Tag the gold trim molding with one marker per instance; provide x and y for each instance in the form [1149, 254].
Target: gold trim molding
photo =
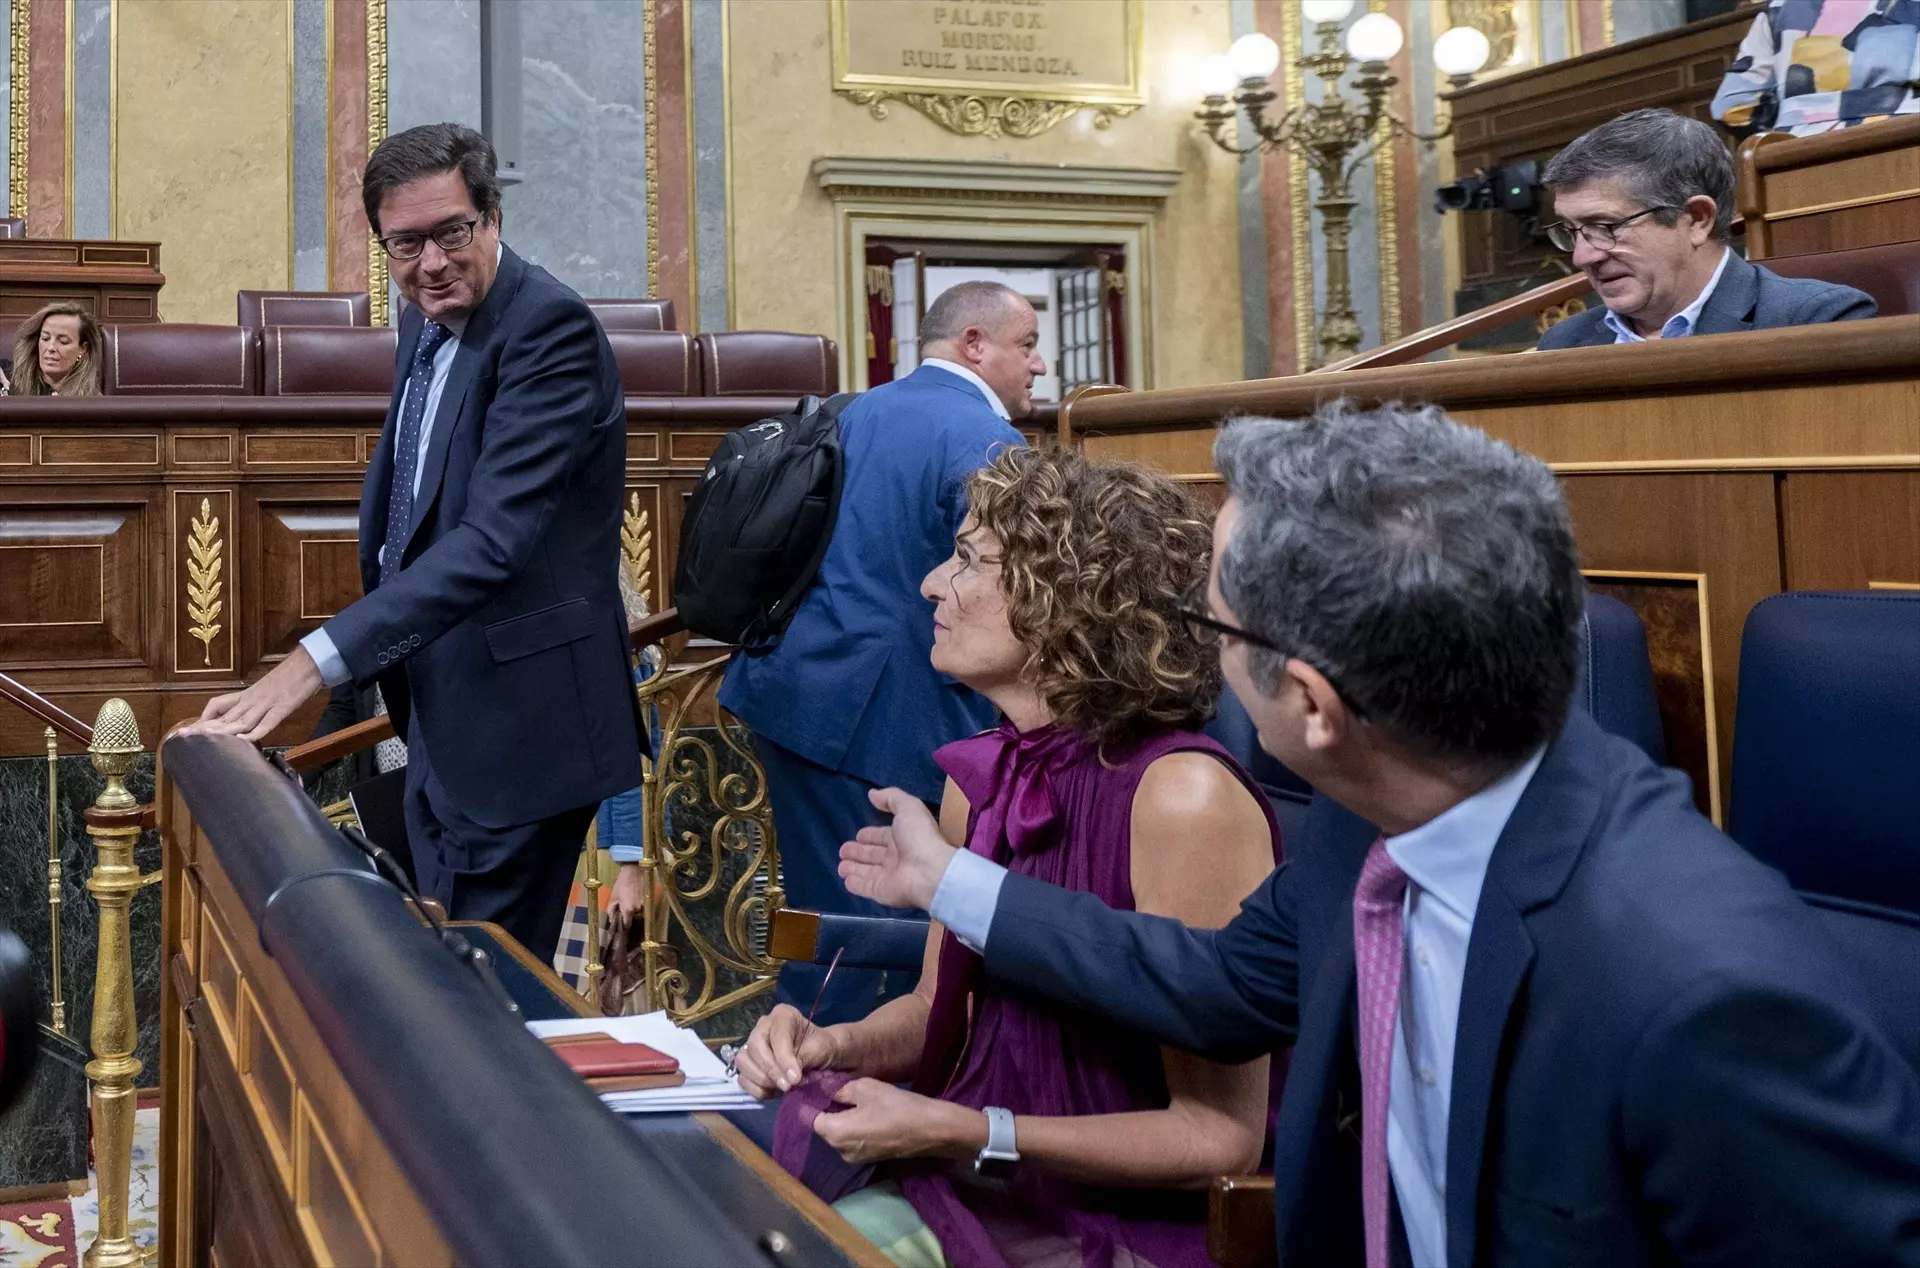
[949, 180]
[19, 106]
[1386, 219]
[977, 114]
[650, 106]
[1306, 347]
[376, 133]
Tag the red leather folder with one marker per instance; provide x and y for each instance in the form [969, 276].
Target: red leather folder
[611, 1066]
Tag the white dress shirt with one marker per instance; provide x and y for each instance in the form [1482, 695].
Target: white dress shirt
[319, 644]
[1681, 324]
[1445, 860]
[954, 367]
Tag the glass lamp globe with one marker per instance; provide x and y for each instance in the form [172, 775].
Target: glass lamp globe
[1215, 76]
[1461, 51]
[1325, 10]
[1374, 38]
[1254, 56]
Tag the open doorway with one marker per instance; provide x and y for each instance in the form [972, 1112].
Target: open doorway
[1078, 292]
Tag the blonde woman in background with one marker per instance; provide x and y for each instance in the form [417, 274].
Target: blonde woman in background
[56, 353]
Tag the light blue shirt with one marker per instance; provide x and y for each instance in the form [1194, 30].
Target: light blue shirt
[954, 367]
[1681, 324]
[319, 644]
[1445, 860]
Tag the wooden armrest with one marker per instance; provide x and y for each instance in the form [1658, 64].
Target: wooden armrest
[652, 629]
[350, 739]
[793, 934]
[1240, 1222]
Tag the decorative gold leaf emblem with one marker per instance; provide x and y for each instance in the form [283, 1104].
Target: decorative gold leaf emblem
[636, 548]
[203, 578]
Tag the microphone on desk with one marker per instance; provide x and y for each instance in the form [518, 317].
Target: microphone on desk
[473, 957]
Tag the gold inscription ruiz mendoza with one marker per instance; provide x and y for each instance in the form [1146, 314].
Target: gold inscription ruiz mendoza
[1009, 67]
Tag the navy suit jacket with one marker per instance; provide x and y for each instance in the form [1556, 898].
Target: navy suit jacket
[1750, 297]
[849, 686]
[503, 634]
[1661, 1058]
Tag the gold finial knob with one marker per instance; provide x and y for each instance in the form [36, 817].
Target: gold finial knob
[116, 745]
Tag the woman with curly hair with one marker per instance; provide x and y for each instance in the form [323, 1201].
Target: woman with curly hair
[1061, 604]
[56, 353]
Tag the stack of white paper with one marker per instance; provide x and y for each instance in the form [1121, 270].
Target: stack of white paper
[708, 1086]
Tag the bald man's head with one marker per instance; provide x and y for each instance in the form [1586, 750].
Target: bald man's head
[992, 330]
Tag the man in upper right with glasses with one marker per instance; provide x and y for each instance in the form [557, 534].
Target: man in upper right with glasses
[1644, 204]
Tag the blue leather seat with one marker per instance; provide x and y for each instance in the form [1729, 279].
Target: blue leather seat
[1826, 776]
[1826, 747]
[1616, 676]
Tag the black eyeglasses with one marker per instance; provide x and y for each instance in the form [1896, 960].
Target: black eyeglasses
[1601, 236]
[1195, 610]
[448, 237]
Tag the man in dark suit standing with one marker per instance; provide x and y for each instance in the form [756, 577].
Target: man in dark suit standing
[849, 700]
[1644, 203]
[1541, 1011]
[489, 543]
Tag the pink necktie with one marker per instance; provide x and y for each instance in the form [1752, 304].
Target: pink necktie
[1379, 948]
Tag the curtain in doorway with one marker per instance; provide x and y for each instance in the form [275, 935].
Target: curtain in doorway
[1112, 262]
[881, 351]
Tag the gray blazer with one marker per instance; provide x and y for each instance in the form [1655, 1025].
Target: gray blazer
[1749, 297]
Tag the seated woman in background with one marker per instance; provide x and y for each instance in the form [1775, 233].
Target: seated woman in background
[55, 353]
[1061, 605]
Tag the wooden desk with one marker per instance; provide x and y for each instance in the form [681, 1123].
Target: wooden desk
[339, 1090]
[1858, 187]
[116, 281]
[1704, 475]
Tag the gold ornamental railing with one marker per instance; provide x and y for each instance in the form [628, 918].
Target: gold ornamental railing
[708, 851]
[114, 823]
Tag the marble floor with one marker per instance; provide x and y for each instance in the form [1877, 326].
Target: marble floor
[54, 1233]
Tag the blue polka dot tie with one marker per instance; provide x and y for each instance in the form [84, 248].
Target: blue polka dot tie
[406, 448]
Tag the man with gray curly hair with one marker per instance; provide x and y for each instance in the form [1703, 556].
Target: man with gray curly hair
[1645, 203]
[1541, 1011]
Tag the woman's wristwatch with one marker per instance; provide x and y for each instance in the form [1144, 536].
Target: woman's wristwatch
[998, 1159]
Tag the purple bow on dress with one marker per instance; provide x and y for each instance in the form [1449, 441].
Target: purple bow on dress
[1005, 776]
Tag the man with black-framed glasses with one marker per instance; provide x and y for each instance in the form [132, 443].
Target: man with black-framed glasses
[1644, 203]
[489, 531]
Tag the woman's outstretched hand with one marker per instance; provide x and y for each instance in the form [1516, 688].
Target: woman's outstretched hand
[783, 1046]
[899, 865]
[882, 1121]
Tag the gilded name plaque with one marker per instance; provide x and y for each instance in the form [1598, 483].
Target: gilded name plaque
[997, 68]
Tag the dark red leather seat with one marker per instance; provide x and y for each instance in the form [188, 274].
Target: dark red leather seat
[328, 360]
[768, 362]
[180, 359]
[646, 313]
[656, 362]
[1891, 273]
[260, 309]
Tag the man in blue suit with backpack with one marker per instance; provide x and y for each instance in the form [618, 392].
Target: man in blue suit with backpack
[848, 700]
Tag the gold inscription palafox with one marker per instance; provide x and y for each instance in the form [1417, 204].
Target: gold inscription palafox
[204, 585]
[113, 822]
[1005, 68]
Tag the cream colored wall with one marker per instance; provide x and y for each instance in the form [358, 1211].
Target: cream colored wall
[783, 115]
[201, 154]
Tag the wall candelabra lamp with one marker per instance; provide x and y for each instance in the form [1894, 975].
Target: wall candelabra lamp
[1335, 134]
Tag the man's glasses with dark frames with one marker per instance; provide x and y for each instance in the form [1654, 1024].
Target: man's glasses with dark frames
[448, 237]
[1195, 610]
[1602, 235]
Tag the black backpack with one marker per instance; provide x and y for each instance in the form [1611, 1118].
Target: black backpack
[758, 524]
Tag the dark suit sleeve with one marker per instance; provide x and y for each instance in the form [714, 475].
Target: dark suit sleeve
[1771, 1128]
[1228, 994]
[1576, 331]
[540, 421]
[1836, 303]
